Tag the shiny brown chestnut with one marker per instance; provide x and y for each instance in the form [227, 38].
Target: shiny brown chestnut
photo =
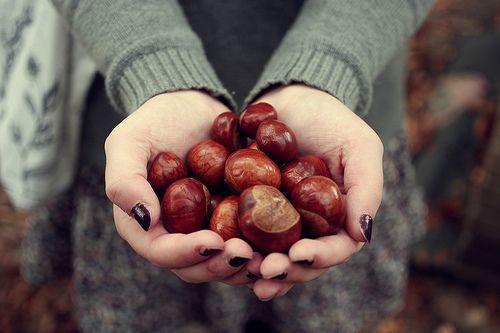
[301, 168]
[268, 220]
[206, 162]
[248, 167]
[225, 130]
[253, 115]
[320, 204]
[165, 169]
[224, 220]
[185, 206]
[277, 141]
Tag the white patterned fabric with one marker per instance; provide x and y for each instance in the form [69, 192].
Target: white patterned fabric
[44, 78]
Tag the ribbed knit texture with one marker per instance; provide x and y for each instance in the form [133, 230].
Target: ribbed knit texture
[341, 46]
[143, 48]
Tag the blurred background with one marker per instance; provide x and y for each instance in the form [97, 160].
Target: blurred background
[453, 119]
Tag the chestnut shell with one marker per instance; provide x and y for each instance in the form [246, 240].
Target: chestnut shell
[255, 114]
[296, 170]
[277, 141]
[185, 206]
[320, 204]
[248, 167]
[268, 220]
[206, 161]
[224, 220]
[225, 130]
[165, 169]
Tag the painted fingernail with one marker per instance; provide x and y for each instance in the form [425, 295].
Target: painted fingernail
[209, 252]
[238, 261]
[281, 276]
[366, 222]
[305, 262]
[142, 216]
[253, 276]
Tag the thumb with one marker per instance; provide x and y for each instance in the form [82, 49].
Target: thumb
[126, 178]
[363, 181]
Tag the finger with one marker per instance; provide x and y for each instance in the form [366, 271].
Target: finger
[363, 182]
[278, 266]
[232, 259]
[325, 251]
[127, 187]
[167, 250]
[249, 274]
[266, 290]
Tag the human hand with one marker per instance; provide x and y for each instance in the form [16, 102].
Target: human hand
[353, 152]
[171, 122]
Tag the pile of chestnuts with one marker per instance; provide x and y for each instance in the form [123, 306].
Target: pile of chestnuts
[263, 193]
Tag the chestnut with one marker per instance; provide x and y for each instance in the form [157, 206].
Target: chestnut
[185, 206]
[320, 204]
[225, 130]
[248, 167]
[224, 220]
[253, 145]
[215, 199]
[277, 141]
[206, 162]
[267, 219]
[253, 115]
[296, 170]
[165, 169]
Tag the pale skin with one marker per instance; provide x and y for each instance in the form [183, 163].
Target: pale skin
[176, 121]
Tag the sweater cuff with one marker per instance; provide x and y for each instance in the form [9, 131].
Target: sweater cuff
[139, 77]
[321, 69]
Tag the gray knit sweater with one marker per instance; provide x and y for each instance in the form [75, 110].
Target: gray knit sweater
[144, 48]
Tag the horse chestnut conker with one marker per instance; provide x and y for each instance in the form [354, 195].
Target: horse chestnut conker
[225, 130]
[301, 168]
[320, 204]
[248, 167]
[165, 169]
[253, 115]
[277, 141]
[186, 206]
[267, 219]
[206, 162]
[224, 220]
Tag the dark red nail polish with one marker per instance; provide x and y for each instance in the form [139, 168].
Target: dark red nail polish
[253, 277]
[366, 223]
[209, 252]
[238, 261]
[142, 216]
[305, 262]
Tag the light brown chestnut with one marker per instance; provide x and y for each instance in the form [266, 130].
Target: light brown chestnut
[267, 219]
[277, 141]
[185, 206]
[248, 167]
[225, 130]
[165, 169]
[301, 168]
[320, 204]
[253, 115]
[224, 220]
[206, 162]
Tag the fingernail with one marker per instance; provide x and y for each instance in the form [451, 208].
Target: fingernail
[142, 216]
[305, 262]
[253, 277]
[238, 261]
[281, 276]
[267, 299]
[209, 252]
[366, 223]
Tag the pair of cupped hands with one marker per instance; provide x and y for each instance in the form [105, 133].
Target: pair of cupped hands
[177, 121]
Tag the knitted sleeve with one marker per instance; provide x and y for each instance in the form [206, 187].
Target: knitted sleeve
[340, 46]
[143, 48]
